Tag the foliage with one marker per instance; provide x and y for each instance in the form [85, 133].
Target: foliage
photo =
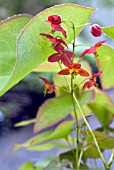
[30, 46]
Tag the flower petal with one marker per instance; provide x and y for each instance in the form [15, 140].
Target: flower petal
[62, 41]
[83, 72]
[59, 48]
[96, 75]
[64, 72]
[46, 35]
[88, 84]
[59, 28]
[84, 52]
[54, 57]
[100, 43]
[66, 61]
[45, 80]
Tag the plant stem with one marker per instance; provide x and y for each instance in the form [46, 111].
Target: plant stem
[111, 159]
[73, 27]
[64, 76]
[93, 136]
[77, 127]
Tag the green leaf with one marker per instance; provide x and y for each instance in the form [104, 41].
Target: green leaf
[102, 107]
[27, 166]
[105, 62]
[61, 131]
[25, 123]
[87, 97]
[33, 49]
[91, 152]
[109, 31]
[52, 111]
[42, 147]
[9, 31]
[56, 165]
[105, 141]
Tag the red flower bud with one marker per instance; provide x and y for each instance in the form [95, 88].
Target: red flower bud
[54, 19]
[95, 30]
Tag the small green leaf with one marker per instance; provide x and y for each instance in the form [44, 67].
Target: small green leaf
[9, 31]
[42, 147]
[105, 62]
[109, 31]
[25, 123]
[33, 49]
[101, 107]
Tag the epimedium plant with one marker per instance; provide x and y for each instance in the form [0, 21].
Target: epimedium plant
[47, 37]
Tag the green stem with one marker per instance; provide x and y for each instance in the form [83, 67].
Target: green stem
[92, 134]
[73, 27]
[61, 88]
[71, 147]
[111, 159]
[77, 127]
[65, 76]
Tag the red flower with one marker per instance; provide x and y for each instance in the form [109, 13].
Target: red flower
[93, 49]
[48, 88]
[95, 30]
[63, 55]
[55, 21]
[92, 81]
[74, 69]
[54, 40]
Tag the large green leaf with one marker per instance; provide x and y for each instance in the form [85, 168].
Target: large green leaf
[105, 61]
[109, 31]
[33, 49]
[55, 109]
[9, 31]
[61, 131]
[102, 107]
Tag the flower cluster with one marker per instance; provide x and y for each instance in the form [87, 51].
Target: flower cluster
[65, 57]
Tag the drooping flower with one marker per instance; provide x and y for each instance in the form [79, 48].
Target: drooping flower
[92, 81]
[74, 69]
[54, 40]
[48, 88]
[55, 21]
[62, 55]
[93, 49]
[95, 30]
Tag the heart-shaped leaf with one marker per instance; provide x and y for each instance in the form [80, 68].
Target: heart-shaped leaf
[9, 31]
[61, 131]
[52, 111]
[33, 49]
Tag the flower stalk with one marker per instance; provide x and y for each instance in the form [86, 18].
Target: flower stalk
[77, 126]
